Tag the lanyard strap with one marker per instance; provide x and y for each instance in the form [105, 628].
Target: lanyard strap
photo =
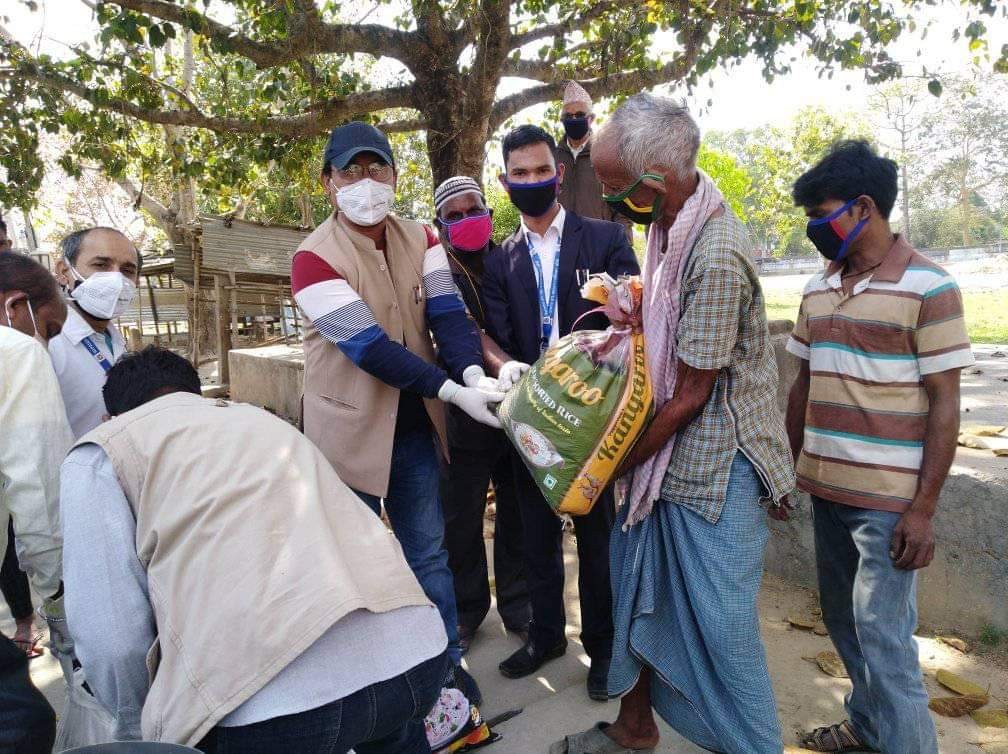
[547, 308]
[98, 355]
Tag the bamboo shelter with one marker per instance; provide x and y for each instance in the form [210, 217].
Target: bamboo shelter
[237, 277]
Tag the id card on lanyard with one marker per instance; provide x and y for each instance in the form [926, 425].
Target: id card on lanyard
[547, 307]
[96, 353]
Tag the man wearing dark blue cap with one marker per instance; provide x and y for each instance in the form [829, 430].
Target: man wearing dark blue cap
[373, 288]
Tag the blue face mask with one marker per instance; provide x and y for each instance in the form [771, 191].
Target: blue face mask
[829, 238]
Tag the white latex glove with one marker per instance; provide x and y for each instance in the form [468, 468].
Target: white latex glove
[475, 402]
[509, 375]
[474, 376]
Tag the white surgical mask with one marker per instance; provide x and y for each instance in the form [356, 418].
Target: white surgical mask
[366, 202]
[105, 295]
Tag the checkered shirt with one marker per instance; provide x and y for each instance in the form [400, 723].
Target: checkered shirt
[723, 326]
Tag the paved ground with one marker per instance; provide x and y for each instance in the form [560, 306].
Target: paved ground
[555, 701]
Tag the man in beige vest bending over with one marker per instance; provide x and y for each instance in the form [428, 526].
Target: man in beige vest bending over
[227, 590]
[373, 288]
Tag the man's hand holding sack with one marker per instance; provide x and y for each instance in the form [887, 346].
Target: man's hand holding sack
[576, 413]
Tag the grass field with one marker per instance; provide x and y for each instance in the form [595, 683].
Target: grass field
[986, 312]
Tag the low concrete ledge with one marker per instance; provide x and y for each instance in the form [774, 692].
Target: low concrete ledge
[966, 586]
[271, 377]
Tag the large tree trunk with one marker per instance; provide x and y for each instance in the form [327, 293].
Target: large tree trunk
[456, 136]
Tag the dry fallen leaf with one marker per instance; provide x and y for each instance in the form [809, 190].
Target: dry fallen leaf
[987, 430]
[806, 624]
[958, 684]
[995, 747]
[820, 629]
[991, 718]
[831, 664]
[957, 706]
[955, 642]
[1001, 452]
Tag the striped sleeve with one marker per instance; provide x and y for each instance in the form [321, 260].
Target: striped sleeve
[798, 343]
[343, 318]
[454, 330]
[940, 338]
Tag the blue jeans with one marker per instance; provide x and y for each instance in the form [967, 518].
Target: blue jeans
[414, 509]
[870, 609]
[384, 718]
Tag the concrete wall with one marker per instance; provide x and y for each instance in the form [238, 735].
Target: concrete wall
[966, 586]
[271, 377]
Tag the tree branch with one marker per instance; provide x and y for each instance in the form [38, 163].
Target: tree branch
[313, 35]
[606, 86]
[121, 66]
[574, 22]
[161, 214]
[319, 118]
[403, 126]
[492, 46]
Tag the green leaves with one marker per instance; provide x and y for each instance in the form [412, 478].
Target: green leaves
[935, 87]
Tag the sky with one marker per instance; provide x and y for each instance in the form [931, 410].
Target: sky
[741, 97]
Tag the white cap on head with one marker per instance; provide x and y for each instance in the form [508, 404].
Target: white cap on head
[574, 92]
[459, 184]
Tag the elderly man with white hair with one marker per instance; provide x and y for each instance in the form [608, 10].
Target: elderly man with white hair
[687, 552]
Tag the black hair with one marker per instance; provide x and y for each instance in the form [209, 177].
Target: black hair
[71, 244]
[3, 226]
[22, 273]
[524, 136]
[850, 169]
[145, 375]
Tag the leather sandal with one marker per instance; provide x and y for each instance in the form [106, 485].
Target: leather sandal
[836, 739]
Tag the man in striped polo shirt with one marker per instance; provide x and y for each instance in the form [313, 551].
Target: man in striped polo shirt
[873, 418]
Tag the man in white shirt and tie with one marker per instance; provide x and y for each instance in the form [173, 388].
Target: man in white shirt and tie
[99, 267]
[532, 297]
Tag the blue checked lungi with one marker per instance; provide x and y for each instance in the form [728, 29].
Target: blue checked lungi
[684, 604]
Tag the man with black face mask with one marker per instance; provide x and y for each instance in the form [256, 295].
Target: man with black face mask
[581, 191]
[531, 292]
[873, 418]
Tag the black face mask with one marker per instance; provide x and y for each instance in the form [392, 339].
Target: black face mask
[576, 128]
[827, 239]
[533, 199]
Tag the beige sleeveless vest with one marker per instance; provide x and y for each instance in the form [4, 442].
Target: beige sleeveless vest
[253, 548]
[347, 413]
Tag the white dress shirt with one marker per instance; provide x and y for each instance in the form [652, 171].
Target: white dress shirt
[34, 437]
[548, 246]
[80, 376]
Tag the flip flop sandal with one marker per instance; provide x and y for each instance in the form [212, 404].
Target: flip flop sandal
[30, 646]
[835, 739]
[592, 741]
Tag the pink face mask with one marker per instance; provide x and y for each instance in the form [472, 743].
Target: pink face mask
[470, 233]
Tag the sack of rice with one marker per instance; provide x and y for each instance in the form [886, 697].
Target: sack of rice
[578, 411]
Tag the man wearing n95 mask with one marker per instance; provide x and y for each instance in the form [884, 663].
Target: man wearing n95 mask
[373, 289]
[99, 268]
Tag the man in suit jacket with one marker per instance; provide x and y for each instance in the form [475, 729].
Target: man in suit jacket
[532, 297]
